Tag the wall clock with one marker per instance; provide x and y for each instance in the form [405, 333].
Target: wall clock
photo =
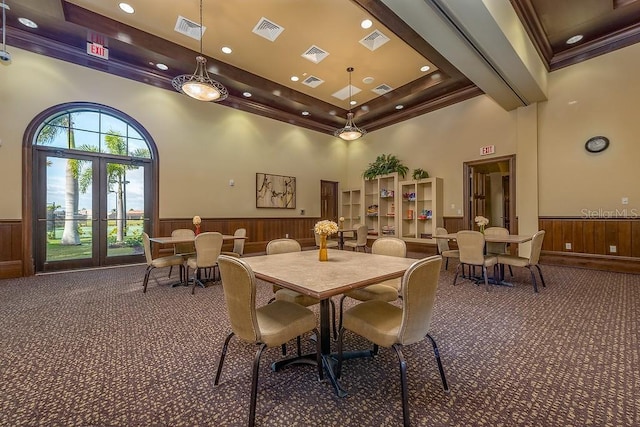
[596, 144]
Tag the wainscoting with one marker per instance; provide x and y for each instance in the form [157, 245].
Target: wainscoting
[591, 240]
[10, 248]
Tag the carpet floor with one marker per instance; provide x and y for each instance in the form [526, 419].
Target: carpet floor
[88, 348]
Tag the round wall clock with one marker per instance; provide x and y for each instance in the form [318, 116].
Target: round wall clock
[597, 144]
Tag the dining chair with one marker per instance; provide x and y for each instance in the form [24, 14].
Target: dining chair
[271, 325]
[208, 248]
[531, 261]
[280, 246]
[384, 291]
[238, 244]
[185, 250]
[497, 248]
[388, 325]
[471, 247]
[361, 239]
[443, 247]
[330, 243]
[165, 261]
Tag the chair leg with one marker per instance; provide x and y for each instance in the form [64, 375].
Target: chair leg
[284, 349]
[319, 355]
[510, 271]
[376, 348]
[146, 278]
[541, 276]
[341, 310]
[457, 272]
[254, 385]
[340, 339]
[486, 279]
[299, 346]
[533, 279]
[446, 263]
[170, 270]
[403, 384]
[222, 356]
[436, 352]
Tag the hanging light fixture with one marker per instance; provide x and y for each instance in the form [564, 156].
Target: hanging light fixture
[350, 131]
[199, 85]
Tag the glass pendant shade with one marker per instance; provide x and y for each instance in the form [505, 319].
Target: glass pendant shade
[350, 131]
[199, 85]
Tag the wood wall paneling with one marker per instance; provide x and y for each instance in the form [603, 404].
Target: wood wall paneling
[10, 248]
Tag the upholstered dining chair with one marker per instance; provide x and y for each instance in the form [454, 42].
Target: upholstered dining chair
[272, 325]
[185, 250]
[496, 248]
[471, 247]
[384, 291]
[280, 246]
[531, 261]
[443, 247]
[165, 261]
[330, 243]
[387, 325]
[238, 244]
[361, 239]
[208, 248]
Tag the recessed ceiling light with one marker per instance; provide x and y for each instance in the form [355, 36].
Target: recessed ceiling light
[161, 66]
[126, 8]
[399, 107]
[27, 23]
[294, 78]
[368, 80]
[574, 39]
[246, 94]
[352, 102]
[425, 68]
[305, 113]
[366, 24]
[226, 49]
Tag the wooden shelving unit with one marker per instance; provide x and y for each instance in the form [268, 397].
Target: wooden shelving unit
[421, 209]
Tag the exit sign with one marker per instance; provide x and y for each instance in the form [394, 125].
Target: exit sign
[96, 49]
[489, 149]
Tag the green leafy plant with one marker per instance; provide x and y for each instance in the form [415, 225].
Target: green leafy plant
[420, 174]
[383, 165]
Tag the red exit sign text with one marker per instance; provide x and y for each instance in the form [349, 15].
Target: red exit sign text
[489, 149]
[98, 50]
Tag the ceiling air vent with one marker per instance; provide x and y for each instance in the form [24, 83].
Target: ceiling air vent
[343, 93]
[189, 28]
[267, 29]
[374, 40]
[382, 89]
[313, 81]
[315, 54]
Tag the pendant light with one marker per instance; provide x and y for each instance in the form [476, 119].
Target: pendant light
[199, 85]
[350, 131]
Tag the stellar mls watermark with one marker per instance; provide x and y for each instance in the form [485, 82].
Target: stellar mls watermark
[610, 213]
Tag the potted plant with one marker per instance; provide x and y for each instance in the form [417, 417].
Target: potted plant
[383, 165]
[420, 174]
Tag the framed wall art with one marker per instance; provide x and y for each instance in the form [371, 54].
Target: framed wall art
[275, 191]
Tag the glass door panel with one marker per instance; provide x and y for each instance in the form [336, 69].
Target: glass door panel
[125, 209]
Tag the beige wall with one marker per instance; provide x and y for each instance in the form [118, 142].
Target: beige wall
[597, 97]
[201, 145]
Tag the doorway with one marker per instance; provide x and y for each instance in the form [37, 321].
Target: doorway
[329, 200]
[490, 192]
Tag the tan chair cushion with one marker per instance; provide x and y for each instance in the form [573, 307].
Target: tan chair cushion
[282, 321]
[292, 296]
[513, 260]
[166, 261]
[377, 292]
[377, 321]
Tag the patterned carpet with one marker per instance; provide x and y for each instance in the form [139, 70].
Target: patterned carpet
[90, 349]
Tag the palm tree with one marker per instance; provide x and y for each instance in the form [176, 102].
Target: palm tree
[64, 123]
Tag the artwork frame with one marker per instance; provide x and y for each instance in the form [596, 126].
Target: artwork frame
[275, 191]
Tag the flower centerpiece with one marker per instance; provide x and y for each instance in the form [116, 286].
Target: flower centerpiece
[323, 229]
[482, 222]
[197, 221]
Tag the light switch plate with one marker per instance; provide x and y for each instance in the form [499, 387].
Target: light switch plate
[625, 200]
[613, 249]
[567, 246]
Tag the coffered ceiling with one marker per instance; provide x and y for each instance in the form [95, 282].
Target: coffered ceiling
[411, 60]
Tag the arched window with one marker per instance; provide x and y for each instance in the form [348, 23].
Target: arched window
[94, 183]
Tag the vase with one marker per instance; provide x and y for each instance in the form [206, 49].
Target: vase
[197, 230]
[323, 254]
[482, 229]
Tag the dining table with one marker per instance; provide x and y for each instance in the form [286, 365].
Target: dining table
[506, 238]
[344, 271]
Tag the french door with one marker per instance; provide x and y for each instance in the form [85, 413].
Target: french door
[90, 209]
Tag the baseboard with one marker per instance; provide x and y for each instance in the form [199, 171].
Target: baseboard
[10, 269]
[591, 261]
